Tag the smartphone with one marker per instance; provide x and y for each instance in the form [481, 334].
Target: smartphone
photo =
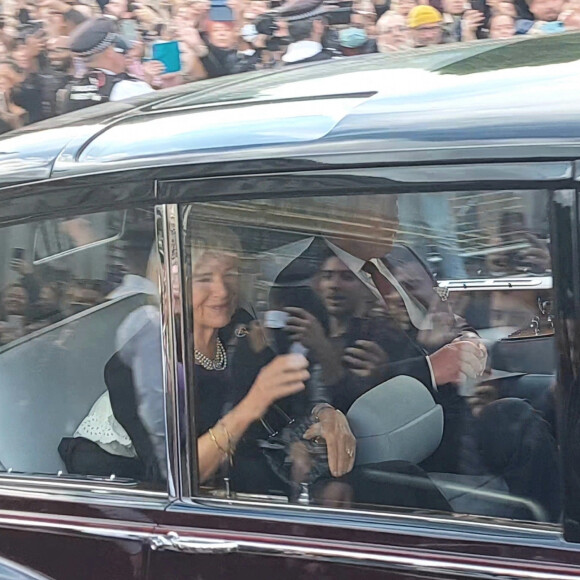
[16, 258]
[168, 54]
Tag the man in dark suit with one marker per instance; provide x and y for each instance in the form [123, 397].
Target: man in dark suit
[374, 337]
[386, 320]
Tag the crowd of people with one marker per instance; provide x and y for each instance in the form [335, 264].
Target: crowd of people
[34, 301]
[51, 47]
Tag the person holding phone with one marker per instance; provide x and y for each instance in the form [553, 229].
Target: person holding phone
[104, 50]
[215, 53]
[460, 21]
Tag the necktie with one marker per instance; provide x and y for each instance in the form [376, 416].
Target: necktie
[384, 287]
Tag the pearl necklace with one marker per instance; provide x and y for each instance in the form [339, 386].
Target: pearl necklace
[219, 363]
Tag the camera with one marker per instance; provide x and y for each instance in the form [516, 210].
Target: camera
[339, 12]
[266, 24]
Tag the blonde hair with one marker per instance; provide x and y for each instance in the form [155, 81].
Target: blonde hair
[213, 238]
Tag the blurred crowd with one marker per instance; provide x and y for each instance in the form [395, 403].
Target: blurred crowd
[231, 36]
[35, 300]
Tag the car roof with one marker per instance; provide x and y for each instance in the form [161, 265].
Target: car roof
[480, 100]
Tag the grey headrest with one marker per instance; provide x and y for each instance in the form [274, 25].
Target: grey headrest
[397, 419]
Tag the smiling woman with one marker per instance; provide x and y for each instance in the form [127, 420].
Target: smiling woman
[223, 419]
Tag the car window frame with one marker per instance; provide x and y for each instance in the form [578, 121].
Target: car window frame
[549, 175]
[33, 203]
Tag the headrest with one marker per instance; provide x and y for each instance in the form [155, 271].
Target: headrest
[396, 420]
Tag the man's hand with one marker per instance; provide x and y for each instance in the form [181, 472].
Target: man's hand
[365, 358]
[476, 340]
[457, 362]
[193, 40]
[443, 328]
[536, 258]
[340, 442]
[304, 328]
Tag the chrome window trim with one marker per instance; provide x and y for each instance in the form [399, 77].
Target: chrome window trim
[167, 227]
[52, 488]
[403, 560]
[66, 524]
[519, 531]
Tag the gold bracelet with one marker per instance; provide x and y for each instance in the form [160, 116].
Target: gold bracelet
[318, 408]
[214, 439]
[231, 446]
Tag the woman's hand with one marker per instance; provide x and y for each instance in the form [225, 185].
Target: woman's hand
[333, 427]
[284, 376]
[306, 329]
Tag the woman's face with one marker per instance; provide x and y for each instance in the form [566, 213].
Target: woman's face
[215, 290]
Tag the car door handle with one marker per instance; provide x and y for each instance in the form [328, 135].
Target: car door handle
[172, 541]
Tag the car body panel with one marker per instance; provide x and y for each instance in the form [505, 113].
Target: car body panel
[454, 80]
[73, 534]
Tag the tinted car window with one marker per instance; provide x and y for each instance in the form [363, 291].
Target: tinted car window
[76, 295]
[376, 350]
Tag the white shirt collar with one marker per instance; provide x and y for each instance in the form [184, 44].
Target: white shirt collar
[353, 263]
[302, 50]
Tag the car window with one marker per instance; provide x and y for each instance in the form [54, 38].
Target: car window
[79, 305]
[375, 350]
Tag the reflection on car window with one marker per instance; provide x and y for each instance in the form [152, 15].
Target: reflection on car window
[376, 350]
[77, 293]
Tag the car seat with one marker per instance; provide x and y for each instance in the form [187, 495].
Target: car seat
[399, 420]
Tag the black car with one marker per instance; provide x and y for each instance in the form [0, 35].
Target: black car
[404, 226]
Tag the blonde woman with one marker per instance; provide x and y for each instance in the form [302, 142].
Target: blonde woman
[215, 258]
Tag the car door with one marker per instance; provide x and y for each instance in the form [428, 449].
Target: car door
[448, 218]
[72, 271]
